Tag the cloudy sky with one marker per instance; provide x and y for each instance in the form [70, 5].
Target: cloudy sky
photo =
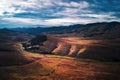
[29, 13]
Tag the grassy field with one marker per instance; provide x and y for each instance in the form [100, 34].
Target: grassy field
[53, 67]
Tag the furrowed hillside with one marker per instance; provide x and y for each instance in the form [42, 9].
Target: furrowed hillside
[105, 50]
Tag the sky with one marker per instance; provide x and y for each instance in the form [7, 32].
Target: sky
[46, 13]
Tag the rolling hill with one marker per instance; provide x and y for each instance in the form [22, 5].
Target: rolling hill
[104, 30]
[13, 36]
[104, 50]
[12, 54]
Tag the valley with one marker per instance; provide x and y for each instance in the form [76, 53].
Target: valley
[59, 39]
[76, 52]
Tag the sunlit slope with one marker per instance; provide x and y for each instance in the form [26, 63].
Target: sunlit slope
[107, 50]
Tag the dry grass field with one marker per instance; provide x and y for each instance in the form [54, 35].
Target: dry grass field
[52, 67]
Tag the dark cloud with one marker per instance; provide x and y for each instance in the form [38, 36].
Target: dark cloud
[57, 12]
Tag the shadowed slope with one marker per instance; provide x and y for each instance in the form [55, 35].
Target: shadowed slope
[12, 54]
[13, 36]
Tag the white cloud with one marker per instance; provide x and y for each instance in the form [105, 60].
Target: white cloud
[9, 6]
[72, 9]
[48, 22]
[64, 21]
[17, 6]
[98, 15]
[28, 21]
[52, 22]
[71, 12]
[81, 4]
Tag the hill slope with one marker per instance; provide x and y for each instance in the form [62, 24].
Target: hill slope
[106, 50]
[105, 30]
[50, 67]
[12, 54]
[13, 36]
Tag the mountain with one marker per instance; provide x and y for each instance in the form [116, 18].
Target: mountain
[104, 30]
[13, 36]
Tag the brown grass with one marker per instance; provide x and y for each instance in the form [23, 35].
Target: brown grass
[50, 67]
[105, 50]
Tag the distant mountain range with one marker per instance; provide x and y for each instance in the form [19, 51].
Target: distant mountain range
[13, 36]
[104, 30]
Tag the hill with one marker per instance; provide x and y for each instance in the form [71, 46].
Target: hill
[13, 36]
[12, 54]
[17, 64]
[104, 50]
[104, 30]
